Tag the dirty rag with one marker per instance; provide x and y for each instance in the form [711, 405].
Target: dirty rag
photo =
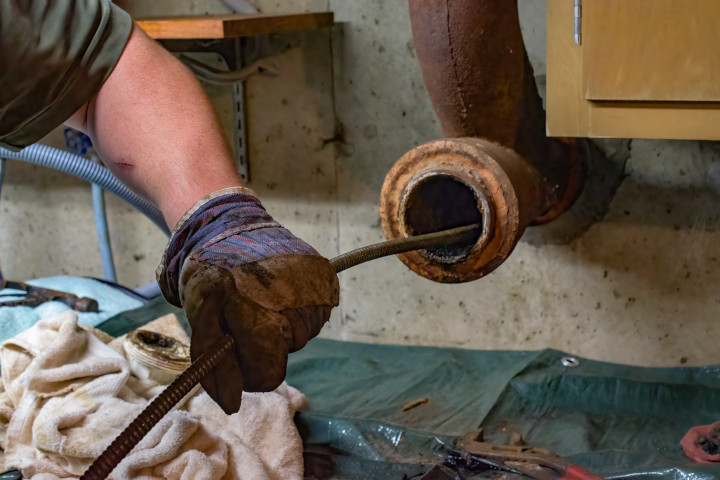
[65, 395]
[702, 443]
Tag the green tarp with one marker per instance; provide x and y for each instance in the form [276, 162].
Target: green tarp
[619, 421]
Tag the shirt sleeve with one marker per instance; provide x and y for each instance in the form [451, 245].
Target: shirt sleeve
[55, 54]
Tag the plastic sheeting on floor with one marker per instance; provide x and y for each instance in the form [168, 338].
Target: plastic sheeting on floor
[619, 421]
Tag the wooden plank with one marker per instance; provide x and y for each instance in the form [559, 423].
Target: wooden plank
[231, 26]
[680, 121]
[651, 50]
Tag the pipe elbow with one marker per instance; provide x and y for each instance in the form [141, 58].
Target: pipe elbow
[481, 84]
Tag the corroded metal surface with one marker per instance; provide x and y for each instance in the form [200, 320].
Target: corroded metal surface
[155, 356]
[497, 164]
[507, 195]
[34, 296]
[481, 84]
[477, 72]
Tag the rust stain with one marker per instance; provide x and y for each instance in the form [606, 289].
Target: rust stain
[415, 403]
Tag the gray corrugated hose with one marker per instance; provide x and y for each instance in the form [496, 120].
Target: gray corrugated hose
[86, 170]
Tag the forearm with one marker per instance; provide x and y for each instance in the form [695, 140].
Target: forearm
[154, 127]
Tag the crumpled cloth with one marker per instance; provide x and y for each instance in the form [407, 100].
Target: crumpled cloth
[66, 395]
[702, 443]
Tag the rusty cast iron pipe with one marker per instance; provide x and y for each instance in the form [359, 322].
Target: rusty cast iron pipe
[451, 182]
[481, 84]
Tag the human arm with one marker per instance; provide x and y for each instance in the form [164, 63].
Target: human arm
[229, 264]
[232, 268]
[154, 127]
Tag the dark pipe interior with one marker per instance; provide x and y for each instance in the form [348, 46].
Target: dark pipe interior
[440, 202]
[152, 338]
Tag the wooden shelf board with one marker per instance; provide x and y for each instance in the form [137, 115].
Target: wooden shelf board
[231, 26]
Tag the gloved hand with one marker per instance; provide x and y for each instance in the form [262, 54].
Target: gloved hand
[236, 271]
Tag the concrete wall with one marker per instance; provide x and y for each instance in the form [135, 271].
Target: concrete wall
[640, 286]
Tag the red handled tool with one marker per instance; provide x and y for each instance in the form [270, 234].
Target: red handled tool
[536, 463]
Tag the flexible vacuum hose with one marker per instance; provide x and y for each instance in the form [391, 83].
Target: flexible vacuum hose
[86, 170]
[182, 385]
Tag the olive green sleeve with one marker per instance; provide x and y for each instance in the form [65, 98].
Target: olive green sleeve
[55, 56]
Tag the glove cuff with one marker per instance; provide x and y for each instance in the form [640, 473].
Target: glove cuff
[199, 204]
[208, 221]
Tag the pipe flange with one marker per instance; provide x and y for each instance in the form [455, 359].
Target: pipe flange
[453, 182]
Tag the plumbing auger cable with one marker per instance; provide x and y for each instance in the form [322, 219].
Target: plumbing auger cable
[182, 385]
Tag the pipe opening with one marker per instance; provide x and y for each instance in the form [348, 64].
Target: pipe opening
[441, 202]
[151, 338]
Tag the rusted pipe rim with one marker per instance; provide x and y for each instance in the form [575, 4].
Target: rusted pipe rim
[478, 166]
[439, 200]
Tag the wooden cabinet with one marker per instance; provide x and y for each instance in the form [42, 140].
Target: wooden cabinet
[642, 69]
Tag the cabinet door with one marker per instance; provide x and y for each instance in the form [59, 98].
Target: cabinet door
[651, 50]
[644, 69]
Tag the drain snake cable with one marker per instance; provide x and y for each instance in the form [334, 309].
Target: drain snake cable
[183, 384]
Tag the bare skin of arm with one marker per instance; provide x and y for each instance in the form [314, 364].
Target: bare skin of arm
[155, 129]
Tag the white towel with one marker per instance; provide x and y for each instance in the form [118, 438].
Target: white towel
[66, 395]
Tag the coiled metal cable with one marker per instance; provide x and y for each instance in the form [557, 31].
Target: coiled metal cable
[157, 409]
[182, 385]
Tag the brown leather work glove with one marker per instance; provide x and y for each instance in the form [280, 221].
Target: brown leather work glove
[237, 272]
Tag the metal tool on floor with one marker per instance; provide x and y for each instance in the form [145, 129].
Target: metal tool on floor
[174, 392]
[34, 296]
[536, 463]
[459, 466]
